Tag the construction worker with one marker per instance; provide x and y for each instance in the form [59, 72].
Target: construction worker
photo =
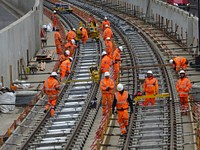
[109, 47]
[65, 68]
[179, 63]
[107, 32]
[84, 34]
[104, 23]
[71, 46]
[58, 42]
[106, 86]
[51, 89]
[71, 35]
[150, 87]
[121, 100]
[54, 20]
[183, 85]
[64, 57]
[116, 61]
[105, 62]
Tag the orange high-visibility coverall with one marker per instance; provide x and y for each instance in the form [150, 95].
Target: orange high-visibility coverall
[109, 48]
[65, 68]
[107, 95]
[121, 101]
[116, 61]
[180, 62]
[105, 64]
[71, 35]
[84, 35]
[63, 58]
[107, 33]
[71, 47]
[51, 89]
[54, 20]
[150, 87]
[183, 85]
[104, 23]
[58, 42]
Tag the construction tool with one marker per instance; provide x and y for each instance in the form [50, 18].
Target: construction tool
[161, 95]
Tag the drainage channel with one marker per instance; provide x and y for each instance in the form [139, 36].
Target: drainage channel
[153, 127]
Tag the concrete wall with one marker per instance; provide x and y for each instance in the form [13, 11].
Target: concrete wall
[19, 36]
[23, 5]
[156, 11]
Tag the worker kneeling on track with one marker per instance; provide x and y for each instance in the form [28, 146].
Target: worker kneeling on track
[106, 87]
[121, 100]
[183, 85]
[150, 87]
[51, 89]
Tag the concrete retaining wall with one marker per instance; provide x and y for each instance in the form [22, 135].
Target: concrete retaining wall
[19, 36]
[24, 5]
[155, 11]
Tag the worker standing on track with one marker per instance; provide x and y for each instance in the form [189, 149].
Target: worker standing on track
[65, 68]
[64, 57]
[106, 86]
[51, 89]
[116, 61]
[121, 100]
[54, 20]
[109, 47]
[58, 42]
[104, 23]
[107, 32]
[71, 35]
[183, 85]
[71, 46]
[84, 34]
[150, 87]
[179, 63]
[105, 62]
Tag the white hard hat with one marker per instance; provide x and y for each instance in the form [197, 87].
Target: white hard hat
[54, 11]
[182, 71]
[44, 26]
[67, 52]
[106, 74]
[54, 74]
[103, 53]
[120, 48]
[71, 59]
[73, 41]
[106, 25]
[171, 61]
[80, 28]
[108, 38]
[105, 18]
[74, 29]
[150, 72]
[120, 87]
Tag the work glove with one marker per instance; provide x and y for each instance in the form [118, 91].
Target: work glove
[108, 88]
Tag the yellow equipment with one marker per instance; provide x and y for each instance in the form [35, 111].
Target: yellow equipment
[78, 31]
[63, 8]
[94, 73]
[137, 98]
[93, 31]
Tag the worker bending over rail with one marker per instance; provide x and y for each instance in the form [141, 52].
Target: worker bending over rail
[183, 85]
[121, 101]
[179, 63]
[51, 89]
[106, 86]
[150, 87]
